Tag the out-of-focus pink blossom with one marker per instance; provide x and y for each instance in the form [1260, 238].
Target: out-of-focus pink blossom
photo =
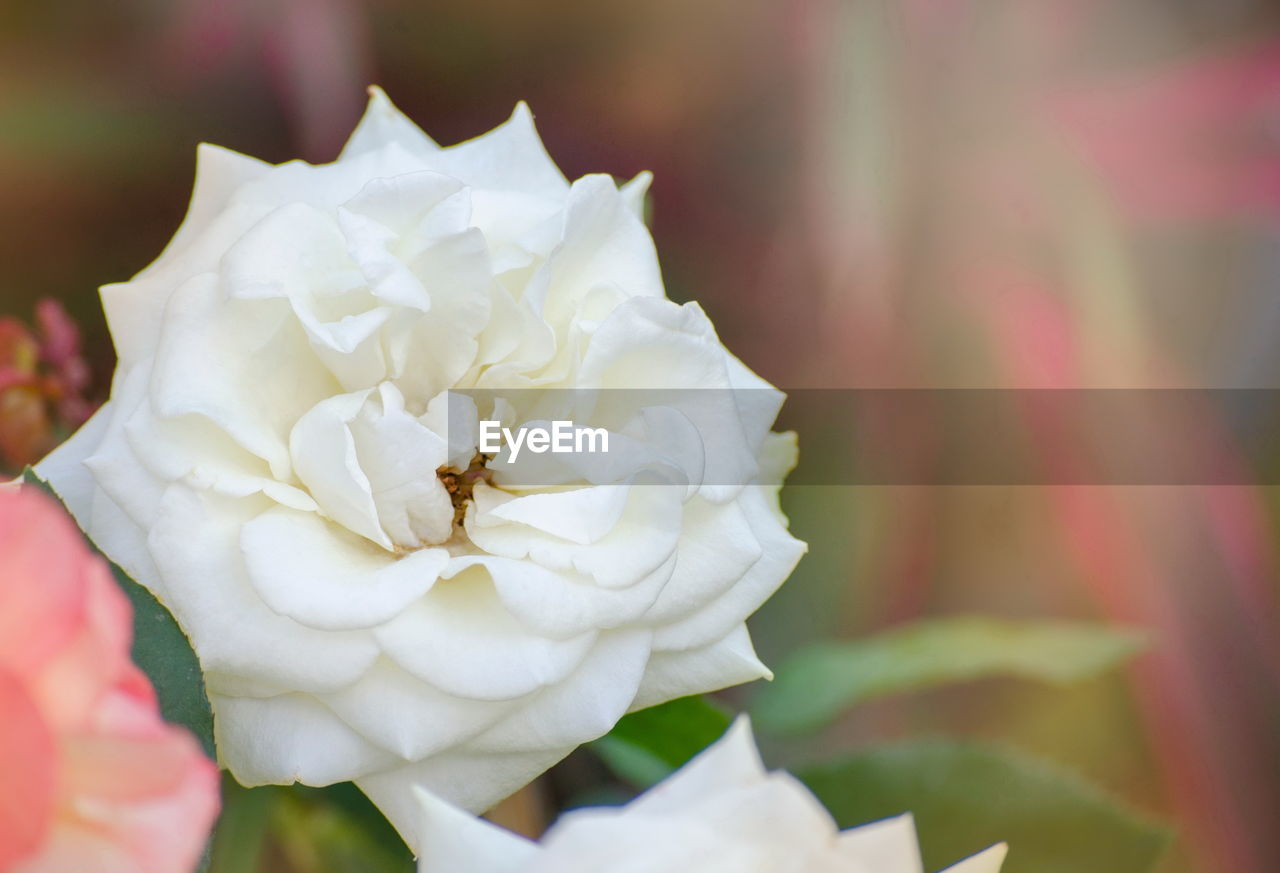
[91, 778]
[316, 53]
[44, 384]
[1200, 140]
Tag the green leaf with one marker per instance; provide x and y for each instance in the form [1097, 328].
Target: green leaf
[242, 827]
[160, 649]
[647, 746]
[965, 797]
[356, 807]
[819, 682]
[317, 830]
[320, 830]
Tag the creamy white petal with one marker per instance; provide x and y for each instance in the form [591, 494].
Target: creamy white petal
[604, 841]
[755, 815]
[327, 186]
[416, 208]
[522, 229]
[320, 576]
[510, 157]
[780, 552]
[192, 449]
[292, 738]
[616, 535]
[454, 840]
[564, 603]
[778, 455]
[888, 846]
[412, 718]
[323, 453]
[635, 191]
[986, 861]
[730, 660]
[648, 343]
[720, 813]
[717, 548]
[220, 173]
[400, 456]
[582, 706]
[196, 547]
[731, 762]
[381, 124]
[212, 347]
[581, 516]
[434, 352]
[134, 309]
[504, 660]
[297, 252]
[109, 523]
[473, 781]
[758, 404]
[603, 243]
[64, 468]
[114, 464]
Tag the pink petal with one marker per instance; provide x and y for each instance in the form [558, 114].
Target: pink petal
[28, 768]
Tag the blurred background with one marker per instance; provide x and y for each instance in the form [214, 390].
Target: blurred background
[862, 193]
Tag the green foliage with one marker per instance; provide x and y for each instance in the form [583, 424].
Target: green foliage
[355, 807]
[966, 797]
[819, 682]
[320, 830]
[242, 827]
[160, 649]
[648, 745]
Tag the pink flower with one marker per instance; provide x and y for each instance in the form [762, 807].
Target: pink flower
[1196, 140]
[91, 778]
[44, 384]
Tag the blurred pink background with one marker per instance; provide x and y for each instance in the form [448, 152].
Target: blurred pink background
[923, 193]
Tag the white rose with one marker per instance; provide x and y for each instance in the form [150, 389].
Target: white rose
[270, 466]
[720, 813]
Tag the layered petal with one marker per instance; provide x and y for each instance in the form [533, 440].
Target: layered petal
[721, 812]
[291, 462]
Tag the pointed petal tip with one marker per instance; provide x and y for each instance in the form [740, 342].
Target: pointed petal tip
[635, 191]
[904, 823]
[995, 855]
[451, 838]
[740, 736]
[383, 123]
[640, 182]
[989, 860]
[521, 117]
[211, 154]
[889, 842]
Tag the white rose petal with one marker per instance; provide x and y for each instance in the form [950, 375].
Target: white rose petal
[287, 464]
[721, 812]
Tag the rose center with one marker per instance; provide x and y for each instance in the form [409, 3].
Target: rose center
[461, 483]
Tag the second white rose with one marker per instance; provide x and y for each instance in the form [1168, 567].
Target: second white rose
[368, 601]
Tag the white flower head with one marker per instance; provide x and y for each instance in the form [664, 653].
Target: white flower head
[367, 599]
[721, 813]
